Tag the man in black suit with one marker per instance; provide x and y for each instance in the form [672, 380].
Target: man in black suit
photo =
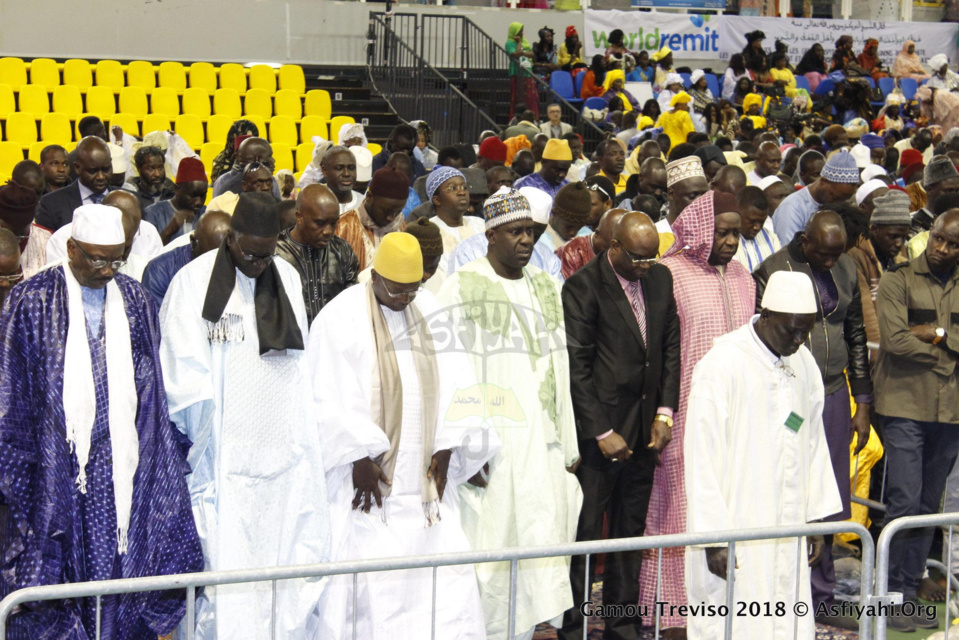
[94, 168]
[623, 341]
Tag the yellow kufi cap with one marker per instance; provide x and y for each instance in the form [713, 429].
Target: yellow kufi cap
[399, 258]
[557, 149]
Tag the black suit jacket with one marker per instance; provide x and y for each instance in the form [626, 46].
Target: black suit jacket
[56, 208]
[616, 381]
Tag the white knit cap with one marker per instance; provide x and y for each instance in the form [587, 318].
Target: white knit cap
[862, 155]
[863, 192]
[98, 224]
[695, 76]
[873, 171]
[364, 163]
[789, 292]
[540, 203]
[769, 181]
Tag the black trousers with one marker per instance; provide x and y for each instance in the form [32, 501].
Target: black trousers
[620, 491]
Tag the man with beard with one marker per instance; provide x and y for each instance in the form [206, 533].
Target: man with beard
[177, 216]
[339, 171]
[151, 185]
[377, 215]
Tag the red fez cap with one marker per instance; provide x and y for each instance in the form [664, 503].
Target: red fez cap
[493, 149]
[390, 183]
[910, 156]
[18, 204]
[238, 140]
[190, 170]
[912, 169]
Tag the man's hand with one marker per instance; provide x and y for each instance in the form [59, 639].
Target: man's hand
[439, 467]
[816, 545]
[575, 466]
[660, 436]
[367, 476]
[117, 133]
[860, 426]
[184, 216]
[717, 561]
[925, 332]
[614, 448]
[478, 480]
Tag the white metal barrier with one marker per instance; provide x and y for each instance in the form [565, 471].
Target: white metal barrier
[191, 581]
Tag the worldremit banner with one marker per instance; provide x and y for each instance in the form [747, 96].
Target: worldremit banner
[688, 35]
[699, 37]
[802, 33]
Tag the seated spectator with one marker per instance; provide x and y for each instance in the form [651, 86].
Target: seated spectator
[617, 55]
[151, 185]
[782, 76]
[594, 78]
[942, 78]
[545, 59]
[555, 127]
[699, 91]
[813, 66]
[735, 71]
[752, 111]
[613, 85]
[908, 64]
[664, 66]
[646, 71]
[754, 55]
[844, 58]
[178, 215]
[870, 62]
[352, 135]
[674, 84]
[940, 107]
[225, 160]
[571, 51]
[251, 149]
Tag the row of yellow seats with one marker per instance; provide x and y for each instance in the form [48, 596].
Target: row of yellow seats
[56, 128]
[100, 101]
[46, 72]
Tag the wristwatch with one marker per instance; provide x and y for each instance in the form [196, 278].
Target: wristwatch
[940, 335]
[666, 419]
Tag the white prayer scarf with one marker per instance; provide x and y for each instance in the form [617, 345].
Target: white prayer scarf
[79, 396]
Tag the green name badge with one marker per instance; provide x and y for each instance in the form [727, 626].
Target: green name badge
[794, 421]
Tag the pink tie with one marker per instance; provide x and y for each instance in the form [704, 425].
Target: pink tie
[639, 309]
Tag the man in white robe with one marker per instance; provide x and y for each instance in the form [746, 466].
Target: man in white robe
[234, 362]
[510, 318]
[389, 387]
[756, 456]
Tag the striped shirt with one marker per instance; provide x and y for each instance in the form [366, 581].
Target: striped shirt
[752, 252]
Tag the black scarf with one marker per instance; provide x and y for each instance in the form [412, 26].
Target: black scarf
[276, 324]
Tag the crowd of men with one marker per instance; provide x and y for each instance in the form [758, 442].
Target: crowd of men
[517, 361]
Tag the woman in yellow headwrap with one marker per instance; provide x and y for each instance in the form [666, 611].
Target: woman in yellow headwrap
[522, 86]
[753, 109]
[613, 84]
[677, 123]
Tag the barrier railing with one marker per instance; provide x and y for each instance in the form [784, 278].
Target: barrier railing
[882, 595]
[192, 581]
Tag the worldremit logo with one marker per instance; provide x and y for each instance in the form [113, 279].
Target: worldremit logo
[694, 36]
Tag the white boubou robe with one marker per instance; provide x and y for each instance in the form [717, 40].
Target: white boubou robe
[756, 456]
[396, 604]
[257, 482]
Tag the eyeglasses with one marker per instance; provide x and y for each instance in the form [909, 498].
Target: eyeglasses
[407, 295]
[456, 188]
[115, 265]
[639, 259]
[14, 279]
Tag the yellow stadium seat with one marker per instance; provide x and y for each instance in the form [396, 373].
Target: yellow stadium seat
[34, 152]
[318, 104]
[10, 154]
[13, 71]
[374, 148]
[197, 102]
[22, 129]
[190, 128]
[226, 102]
[133, 100]
[304, 155]
[33, 99]
[126, 122]
[208, 153]
[335, 125]
[68, 101]
[291, 79]
[260, 124]
[283, 155]
[288, 103]
[164, 101]
[203, 76]
[257, 103]
[8, 103]
[217, 128]
[282, 130]
[263, 77]
[78, 73]
[44, 72]
[172, 76]
[140, 73]
[155, 122]
[55, 129]
[233, 76]
[313, 126]
[101, 102]
[110, 74]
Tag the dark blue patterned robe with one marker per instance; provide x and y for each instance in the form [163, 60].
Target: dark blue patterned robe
[52, 533]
